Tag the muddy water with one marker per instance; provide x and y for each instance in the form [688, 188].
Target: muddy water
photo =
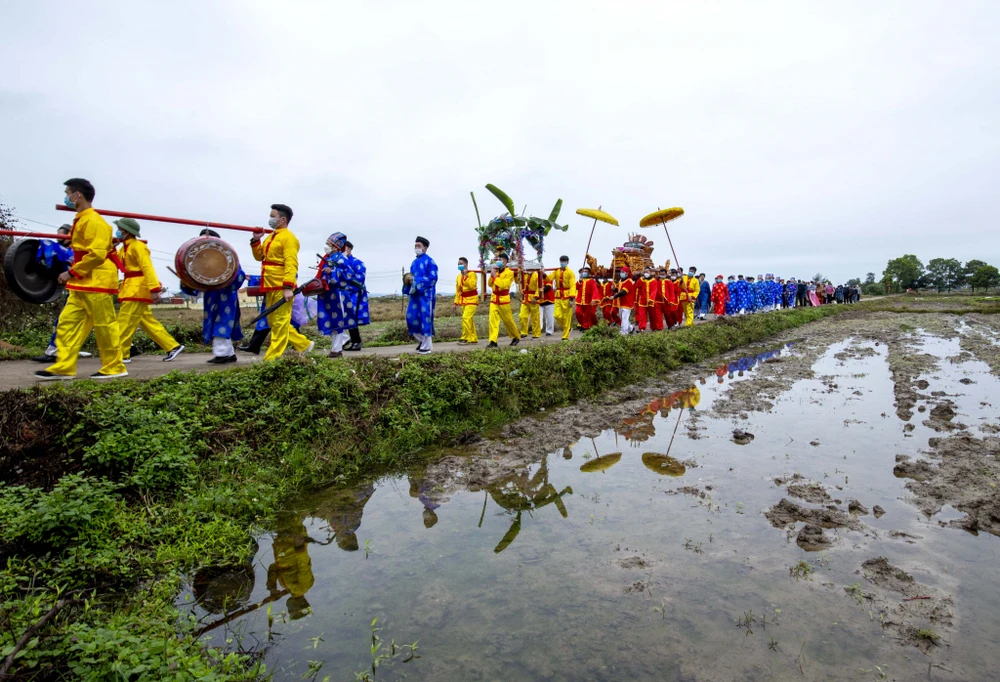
[645, 552]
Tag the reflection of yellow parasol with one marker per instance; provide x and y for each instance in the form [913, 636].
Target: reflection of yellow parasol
[665, 465]
[663, 217]
[601, 463]
[596, 214]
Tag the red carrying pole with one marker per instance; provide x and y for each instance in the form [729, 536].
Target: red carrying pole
[44, 235]
[179, 221]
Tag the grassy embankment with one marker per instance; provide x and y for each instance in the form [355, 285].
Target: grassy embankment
[112, 493]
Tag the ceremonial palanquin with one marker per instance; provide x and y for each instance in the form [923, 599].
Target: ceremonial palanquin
[636, 254]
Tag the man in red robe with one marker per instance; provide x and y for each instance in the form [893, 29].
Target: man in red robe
[720, 296]
[588, 296]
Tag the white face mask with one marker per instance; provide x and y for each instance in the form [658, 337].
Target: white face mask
[418, 251]
[328, 249]
[272, 222]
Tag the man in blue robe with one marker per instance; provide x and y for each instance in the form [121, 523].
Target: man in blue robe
[742, 295]
[333, 316]
[731, 307]
[751, 295]
[791, 288]
[221, 324]
[420, 284]
[357, 303]
[57, 257]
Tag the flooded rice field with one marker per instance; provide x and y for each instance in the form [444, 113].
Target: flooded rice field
[823, 508]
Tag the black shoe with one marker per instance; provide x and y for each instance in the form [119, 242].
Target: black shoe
[223, 360]
[514, 342]
[354, 346]
[102, 375]
[491, 344]
[45, 375]
[44, 358]
[256, 341]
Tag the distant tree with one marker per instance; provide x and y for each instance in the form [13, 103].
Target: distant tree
[945, 273]
[985, 277]
[970, 269]
[873, 289]
[818, 277]
[904, 272]
[854, 282]
[870, 278]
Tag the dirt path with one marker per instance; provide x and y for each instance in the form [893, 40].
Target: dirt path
[20, 373]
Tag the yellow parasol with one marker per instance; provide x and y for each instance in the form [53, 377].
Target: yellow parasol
[596, 214]
[663, 217]
[665, 465]
[601, 463]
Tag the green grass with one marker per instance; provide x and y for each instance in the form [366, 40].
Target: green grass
[110, 493]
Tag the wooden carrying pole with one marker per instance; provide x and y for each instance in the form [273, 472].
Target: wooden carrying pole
[44, 235]
[178, 221]
[591, 238]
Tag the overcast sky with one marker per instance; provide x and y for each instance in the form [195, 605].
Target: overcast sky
[798, 136]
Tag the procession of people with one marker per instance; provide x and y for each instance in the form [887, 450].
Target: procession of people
[651, 299]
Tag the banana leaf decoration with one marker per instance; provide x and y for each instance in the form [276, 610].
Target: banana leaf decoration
[504, 231]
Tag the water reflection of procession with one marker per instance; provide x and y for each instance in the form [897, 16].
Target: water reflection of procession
[520, 493]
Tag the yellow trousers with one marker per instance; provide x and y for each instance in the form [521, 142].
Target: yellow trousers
[564, 315]
[135, 314]
[282, 332]
[530, 319]
[469, 324]
[689, 314]
[83, 312]
[502, 312]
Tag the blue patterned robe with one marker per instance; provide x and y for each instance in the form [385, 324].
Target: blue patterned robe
[423, 296]
[760, 293]
[357, 296]
[222, 311]
[731, 306]
[743, 295]
[58, 259]
[704, 297]
[791, 288]
[333, 315]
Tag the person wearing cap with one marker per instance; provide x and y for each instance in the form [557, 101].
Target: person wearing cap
[588, 297]
[332, 316]
[689, 290]
[563, 281]
[624, 300]
[220, 324]
[356, 303]
[467, 298]
[278, 254]
[501, 279]
[92, 283]
[139, 289]
[530, 284]
[720, 296]
[608, 310]
[56, 256]
[646, 289]
[420, 284]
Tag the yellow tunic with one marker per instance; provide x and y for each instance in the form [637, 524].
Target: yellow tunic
[90, 240]
[279, 257]
[140, 280]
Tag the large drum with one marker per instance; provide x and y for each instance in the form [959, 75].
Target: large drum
[29, 279]
[206, 264]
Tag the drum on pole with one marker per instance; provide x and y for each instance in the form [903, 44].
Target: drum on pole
[29, 279]
[206, 263]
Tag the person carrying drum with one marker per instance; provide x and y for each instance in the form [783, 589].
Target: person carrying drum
[92, 283]
[357, 298]
[221, 324]
[139, 289]
[278, 254]
[57, 256]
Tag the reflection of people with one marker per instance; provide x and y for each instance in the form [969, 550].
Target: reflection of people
[292, 568]
[419, 489]
[343, 512]
[517, 493]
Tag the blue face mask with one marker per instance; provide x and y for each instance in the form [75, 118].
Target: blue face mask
[461, 268]
[68, 203]
[120, 234]
[499, 264]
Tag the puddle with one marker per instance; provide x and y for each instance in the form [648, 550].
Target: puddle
[645, 552]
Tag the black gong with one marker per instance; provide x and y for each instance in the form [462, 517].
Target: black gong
[26, 277]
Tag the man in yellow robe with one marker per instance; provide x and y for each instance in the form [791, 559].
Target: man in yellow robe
[467, 297]
[563, 281]
[500, 282]
[92, 283]
[278, 254]
[139, 289]
[689, 294]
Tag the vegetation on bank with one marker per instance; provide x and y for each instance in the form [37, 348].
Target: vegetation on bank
[113, 492]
